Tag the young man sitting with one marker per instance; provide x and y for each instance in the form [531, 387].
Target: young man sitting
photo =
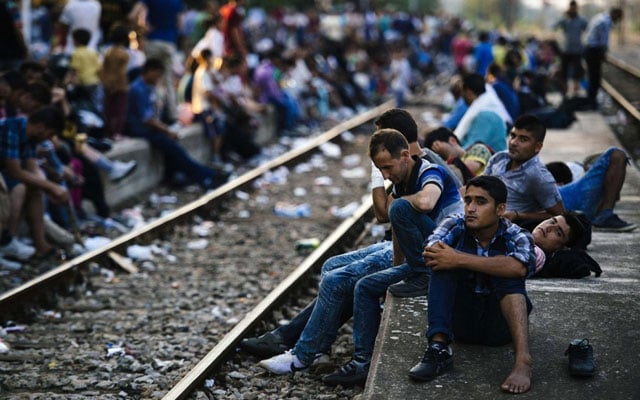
[477, 293]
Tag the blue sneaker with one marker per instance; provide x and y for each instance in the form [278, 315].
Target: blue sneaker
[613, 223]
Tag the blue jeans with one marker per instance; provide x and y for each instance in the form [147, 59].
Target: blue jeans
[411, 229]
[585, 194]
[366, 307]
[455, 307]
[290, 333]
[336, 296]
[177, 158]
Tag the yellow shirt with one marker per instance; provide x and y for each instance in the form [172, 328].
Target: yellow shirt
[86, 63]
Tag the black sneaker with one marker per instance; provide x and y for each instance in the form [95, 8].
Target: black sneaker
[414, 286]
[351, 374]
[438, 358]
[580, 354]
[265, 346]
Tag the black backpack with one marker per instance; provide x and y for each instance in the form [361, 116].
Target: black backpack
[569, 263]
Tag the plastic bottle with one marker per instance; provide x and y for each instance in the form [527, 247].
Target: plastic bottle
[292, 210]
[306, 245]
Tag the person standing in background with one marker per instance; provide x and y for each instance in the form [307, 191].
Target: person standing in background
[596, 45]
[572, 25]
[80, 14]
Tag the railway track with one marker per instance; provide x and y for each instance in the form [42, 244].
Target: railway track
[140, 335]
[621, 81]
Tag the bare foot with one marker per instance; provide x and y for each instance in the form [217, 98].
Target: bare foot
[519, 381]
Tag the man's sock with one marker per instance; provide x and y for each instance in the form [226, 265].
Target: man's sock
[603, 214]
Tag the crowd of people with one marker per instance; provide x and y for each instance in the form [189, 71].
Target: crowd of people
[468, 248]
[473, 213]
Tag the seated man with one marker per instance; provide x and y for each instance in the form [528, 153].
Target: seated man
[486, 120]
[468, 163]
[143, 121]
[25, 181]
[423, 194]
[533, 194]
[460, 107]
[477, 294]
[311, 333]
[597, 190]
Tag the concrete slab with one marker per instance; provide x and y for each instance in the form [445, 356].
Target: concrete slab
[605, 310]
[609, 321]
[149, 172]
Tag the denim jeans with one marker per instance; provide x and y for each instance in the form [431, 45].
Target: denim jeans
[411, 229]
[366, 307]
[290, 333]
[336, 296]
[177, 158]
[585, 194]
[456, 310]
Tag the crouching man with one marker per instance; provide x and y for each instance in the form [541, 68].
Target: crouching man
[477, 293]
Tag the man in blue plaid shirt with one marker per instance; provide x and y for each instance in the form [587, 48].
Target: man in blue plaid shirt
[24, 180]
[479, 262]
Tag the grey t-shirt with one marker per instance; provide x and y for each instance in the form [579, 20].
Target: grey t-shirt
[573, 29]
[531, 187]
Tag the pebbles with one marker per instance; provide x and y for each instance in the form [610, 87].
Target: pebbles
[169, 315]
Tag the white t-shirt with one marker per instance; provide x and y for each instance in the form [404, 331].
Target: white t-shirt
[202, 84]
[83, 14]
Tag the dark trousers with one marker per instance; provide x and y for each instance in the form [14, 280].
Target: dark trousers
[458, 311]
[177, 159]
[594, 57]
[115, 112]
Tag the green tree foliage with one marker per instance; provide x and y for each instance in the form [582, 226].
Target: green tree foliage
[491, 13]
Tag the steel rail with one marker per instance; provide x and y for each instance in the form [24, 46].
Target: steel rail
[614, 93]
[36, 286]
[227, 344]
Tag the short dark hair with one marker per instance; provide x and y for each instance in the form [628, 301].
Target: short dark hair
[474, 82]
[492, 184]
[40, 92]
[494, 69]
[532, 124]
[387, 139]
[81, 36]
[119, 34]
[616, 13]
[579, 230]
[400, 120]
[206, 54]
[50, 116]
[440, 134]
[31, 66]
[560, 171]
[153, 64]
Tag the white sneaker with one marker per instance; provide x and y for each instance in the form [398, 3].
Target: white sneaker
[122, 169]
[10, 265]
[17, 249]
[284, 363]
